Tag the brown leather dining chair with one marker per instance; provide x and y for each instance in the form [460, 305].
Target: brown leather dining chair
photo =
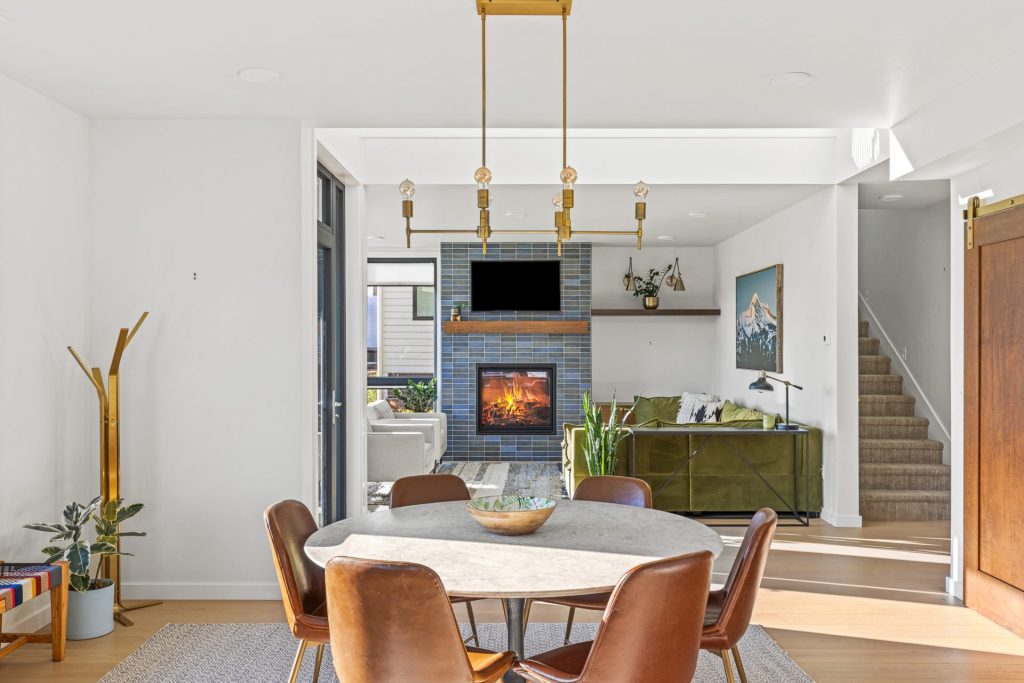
[729, 609]
[289, 523]
[650, 631]
[604, 489]
[435, 488]
[392, 622]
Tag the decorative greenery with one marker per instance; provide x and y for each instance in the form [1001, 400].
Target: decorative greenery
[650, 284]
[511, 503]
[418, 397]
[80, 554]
[601, 441]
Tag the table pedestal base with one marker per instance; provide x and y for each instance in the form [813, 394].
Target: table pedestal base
[514, 608]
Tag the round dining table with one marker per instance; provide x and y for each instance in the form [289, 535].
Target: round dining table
[584, 547]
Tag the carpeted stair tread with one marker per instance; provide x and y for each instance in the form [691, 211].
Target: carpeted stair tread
[868, 346]
[905, 427]
[903, 477]
[874, 365]
[907, 505]
[886, 405]
[862, 328]
[881, 384]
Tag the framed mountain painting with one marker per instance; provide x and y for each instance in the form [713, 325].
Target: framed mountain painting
[759, 320]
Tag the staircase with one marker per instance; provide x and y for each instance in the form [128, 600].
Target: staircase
[901, 472]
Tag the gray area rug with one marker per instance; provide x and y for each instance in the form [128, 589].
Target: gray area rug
[180, 653]
[489, 479]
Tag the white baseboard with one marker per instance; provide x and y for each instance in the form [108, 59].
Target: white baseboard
[201, 591]
[955, 588]
[838, 520]
[28, 617]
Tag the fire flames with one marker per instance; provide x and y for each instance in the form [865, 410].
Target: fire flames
[515, 399]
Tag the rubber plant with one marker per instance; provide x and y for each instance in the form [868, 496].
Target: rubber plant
[601, 440]
[68, 542]
[418, 397]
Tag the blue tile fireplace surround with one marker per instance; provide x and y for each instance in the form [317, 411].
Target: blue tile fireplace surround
[462, 353]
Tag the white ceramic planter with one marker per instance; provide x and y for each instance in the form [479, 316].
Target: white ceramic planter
[91, 614]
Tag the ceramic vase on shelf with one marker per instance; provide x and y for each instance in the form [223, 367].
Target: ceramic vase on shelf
[651, 302]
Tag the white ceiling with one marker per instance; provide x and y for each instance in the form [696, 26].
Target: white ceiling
[731, 209]
[916, 194]
[659, 63]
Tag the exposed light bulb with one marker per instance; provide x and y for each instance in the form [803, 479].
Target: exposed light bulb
[640, 191]
[483, 177]
[407, 188]
[556, 199]
[568, 176]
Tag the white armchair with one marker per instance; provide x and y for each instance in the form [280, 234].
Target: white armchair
[393, 455]
[383, 418]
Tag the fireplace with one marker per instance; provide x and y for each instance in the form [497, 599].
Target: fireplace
[515, 399]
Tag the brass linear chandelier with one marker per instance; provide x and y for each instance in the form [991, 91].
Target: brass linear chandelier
[563, 200]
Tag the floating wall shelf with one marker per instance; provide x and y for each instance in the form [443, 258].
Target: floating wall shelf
[657, 311]
[516, 326]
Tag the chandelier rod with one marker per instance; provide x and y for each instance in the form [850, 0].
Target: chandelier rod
[565, 155]
[483, 87]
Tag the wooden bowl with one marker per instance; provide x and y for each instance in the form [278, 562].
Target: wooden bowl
[511, 515]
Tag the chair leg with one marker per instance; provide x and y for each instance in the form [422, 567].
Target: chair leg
[739, 663]
[472, 623]
[298, 662]
[728, 669]
[319, 661]
[568, 624]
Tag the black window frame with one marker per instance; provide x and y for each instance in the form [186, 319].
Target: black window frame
[416, 303]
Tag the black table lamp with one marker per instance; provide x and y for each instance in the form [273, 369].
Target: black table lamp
[761, 384]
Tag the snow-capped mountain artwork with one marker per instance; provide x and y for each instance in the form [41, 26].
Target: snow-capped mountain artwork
[758, 320]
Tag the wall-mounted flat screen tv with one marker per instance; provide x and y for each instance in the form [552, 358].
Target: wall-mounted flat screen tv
[516, 286]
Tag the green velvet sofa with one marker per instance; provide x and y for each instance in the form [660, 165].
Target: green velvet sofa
[715, 480]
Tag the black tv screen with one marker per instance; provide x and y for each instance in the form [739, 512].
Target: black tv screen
[516, 286]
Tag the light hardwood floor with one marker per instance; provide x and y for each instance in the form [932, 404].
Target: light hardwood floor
[846, 604]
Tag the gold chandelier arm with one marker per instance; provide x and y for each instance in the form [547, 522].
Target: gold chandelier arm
[432, 231]
[523, 232]
[565, 155]
[483, 88]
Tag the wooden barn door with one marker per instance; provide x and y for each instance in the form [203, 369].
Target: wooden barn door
[994, 411]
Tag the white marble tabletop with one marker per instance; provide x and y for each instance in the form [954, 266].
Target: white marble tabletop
[583, 548]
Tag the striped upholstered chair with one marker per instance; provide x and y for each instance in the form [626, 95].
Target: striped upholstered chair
[19, 583]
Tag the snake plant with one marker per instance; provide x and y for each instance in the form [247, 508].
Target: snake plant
[601, 441]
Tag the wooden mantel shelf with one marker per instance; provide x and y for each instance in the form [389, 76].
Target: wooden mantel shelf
[516, 326]
[657, 311]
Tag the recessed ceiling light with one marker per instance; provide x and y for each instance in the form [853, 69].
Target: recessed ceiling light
[254, 74]
[375, 238]
[516, 214]
[791, 79]
[698, 214]
[667, 238]
[890, 197]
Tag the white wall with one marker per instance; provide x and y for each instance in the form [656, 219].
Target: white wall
[406, 345]
[200, 222]
[819, 301]
[652, 355]
[904, 278]
[46, 403]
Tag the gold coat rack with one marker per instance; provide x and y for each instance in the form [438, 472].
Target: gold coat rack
[110, 458]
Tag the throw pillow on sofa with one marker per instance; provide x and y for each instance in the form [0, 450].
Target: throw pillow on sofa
[734, 413]
[696, 408]
[647, 408]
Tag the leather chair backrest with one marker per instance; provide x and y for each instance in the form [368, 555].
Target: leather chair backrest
[428, 488]
[745, 576]
[651, 628]
[611, 489]
[392, 622]
[289, 523]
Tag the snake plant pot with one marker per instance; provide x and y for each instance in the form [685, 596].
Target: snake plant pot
[651, 302]
[91, 614]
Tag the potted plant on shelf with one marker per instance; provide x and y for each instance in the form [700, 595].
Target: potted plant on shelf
[91, 597]
[601, 441]
[649, 286]
[417, 397]
[456, 310]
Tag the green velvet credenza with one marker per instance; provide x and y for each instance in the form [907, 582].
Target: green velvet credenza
[716, 479]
